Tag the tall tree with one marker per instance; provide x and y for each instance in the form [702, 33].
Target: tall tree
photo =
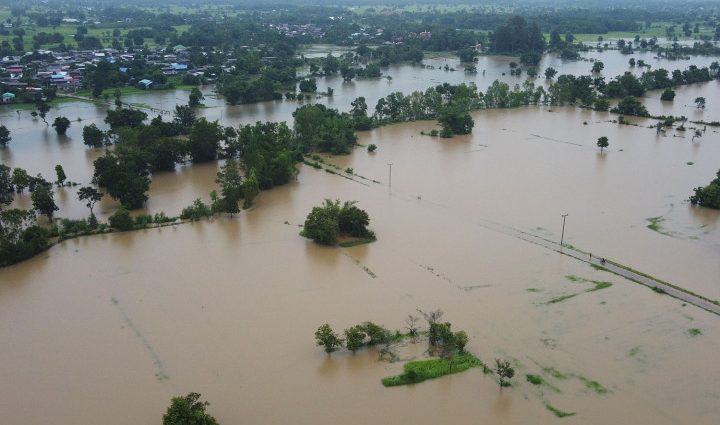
[92, 136]
[61, 125]
[602, 143]
[231, 187]
[188, 410]
[196, 97]
[20, 179]
[91, 196]
[43, 200]
[42, 108]
[4, 136]
[204, 140]
[60, 173]
[6, 185]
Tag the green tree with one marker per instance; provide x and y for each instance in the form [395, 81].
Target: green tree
[43, 200]
[6, 185]
[461, 339]
[602, 143]
[91, 196]
[630, 105]
[196, 97]
[204, 140]
[327, 338]
[184, 117]
[308, 85]
[455, 119]
[60, 173]
[504, 371]
[92, 136]
[700, 102]
[354, 338]
[20, 179]
[668, 94]
[251, 188]
[43, 108]
[231, 187]
[550, 72]
[125, 176]
[61, 125]
[597, 67]
[20, 237]
[188, 410]
[4, 136]
[322, 225]
[601, 104]
[124, 118]
[352, 220]
[708, 196]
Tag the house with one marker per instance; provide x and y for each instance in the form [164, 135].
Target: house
[146, 84]
[179, 66]
[7, 97]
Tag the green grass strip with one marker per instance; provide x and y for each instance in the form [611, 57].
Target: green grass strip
[421, 370]
[559, 413]
[356, 242]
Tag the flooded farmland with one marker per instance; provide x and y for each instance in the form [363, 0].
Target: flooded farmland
[105, 329]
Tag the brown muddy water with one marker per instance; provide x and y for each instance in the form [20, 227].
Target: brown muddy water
[106, 329]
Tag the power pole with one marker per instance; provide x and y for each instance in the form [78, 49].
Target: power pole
[562, 235]
[390, 175]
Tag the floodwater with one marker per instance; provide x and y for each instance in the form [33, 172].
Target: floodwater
[106, 329]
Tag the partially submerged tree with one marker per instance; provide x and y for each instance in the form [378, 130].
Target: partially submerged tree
[60, 173]
[43, 200]
[327, 338]
[504, 371]
[4, 136]
[92, 136]
[61, 125]
[700, 102]
[602, 143]
[708, 196]
[188, 410]
[91, 196]
[231, 187]
[355, 337]
[326, 222]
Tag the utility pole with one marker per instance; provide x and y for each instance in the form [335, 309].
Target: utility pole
[562, 235]
[390, 176]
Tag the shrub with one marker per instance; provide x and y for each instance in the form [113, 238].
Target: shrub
[121, 220]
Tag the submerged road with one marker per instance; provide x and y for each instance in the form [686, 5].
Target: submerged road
[613, 267]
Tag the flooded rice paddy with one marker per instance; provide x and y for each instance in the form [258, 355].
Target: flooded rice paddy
[106, 329]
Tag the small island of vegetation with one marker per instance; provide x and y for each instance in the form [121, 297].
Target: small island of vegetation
[326, 223]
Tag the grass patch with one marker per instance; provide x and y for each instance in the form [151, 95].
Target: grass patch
[573, 278]
[534, 379]
[599, 285]
[555, 373]
[656, 225]
[694, 332]
[561, 298]
[634, 351]
[534, 290]
[559, 413]
[593, 385]
[358, 241]
[658, 290]
[421, 370]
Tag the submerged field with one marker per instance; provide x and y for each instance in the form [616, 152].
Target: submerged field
[117, 324]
